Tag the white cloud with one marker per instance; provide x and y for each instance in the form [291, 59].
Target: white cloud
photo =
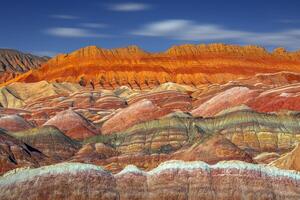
[93, 25]
[71, 32]
[64, 17]
[129, 6]
[190, 30]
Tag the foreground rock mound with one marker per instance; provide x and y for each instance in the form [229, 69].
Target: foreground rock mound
[171, 180]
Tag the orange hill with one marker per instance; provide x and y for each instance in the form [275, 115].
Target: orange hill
[185, 64]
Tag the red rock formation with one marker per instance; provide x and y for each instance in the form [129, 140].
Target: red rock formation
[189, 64]
[73, 124]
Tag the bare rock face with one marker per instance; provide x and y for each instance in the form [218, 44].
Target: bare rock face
[289, 160]
[171, 180]
[14, 154]
[73, 124]
[50, 141]
[14, 123]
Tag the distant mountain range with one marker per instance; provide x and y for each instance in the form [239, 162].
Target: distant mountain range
[13, 62]
[184, 64]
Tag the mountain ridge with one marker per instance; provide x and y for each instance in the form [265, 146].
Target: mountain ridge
[187, 64]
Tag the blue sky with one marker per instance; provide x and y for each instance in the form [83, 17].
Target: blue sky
[61, 26]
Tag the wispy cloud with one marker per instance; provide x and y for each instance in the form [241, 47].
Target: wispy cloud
[72, 32]
[128, 7]
[192, 31]
[93, 25]
[68, 17]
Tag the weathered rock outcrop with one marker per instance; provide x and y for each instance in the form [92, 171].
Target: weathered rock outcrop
[171, 180]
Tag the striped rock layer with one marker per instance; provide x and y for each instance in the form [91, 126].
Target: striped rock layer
[176, 180]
